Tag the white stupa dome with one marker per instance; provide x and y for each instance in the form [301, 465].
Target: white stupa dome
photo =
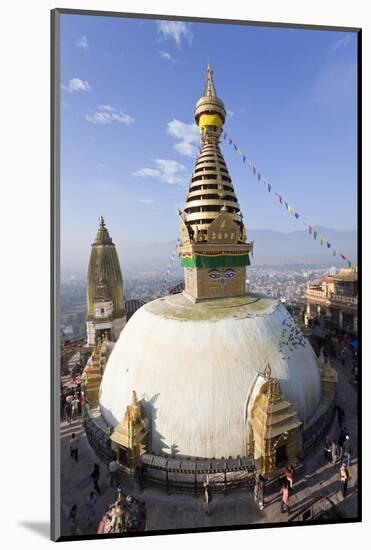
[195, 367]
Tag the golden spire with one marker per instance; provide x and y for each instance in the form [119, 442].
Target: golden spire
[213, 236]
[103, 237]
[209, 89]
[211, 190]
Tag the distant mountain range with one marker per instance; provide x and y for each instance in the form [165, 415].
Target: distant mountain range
[270, 248]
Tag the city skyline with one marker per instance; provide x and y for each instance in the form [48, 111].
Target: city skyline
[129, 144]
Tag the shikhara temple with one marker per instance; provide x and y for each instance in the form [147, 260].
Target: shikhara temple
[213, 381]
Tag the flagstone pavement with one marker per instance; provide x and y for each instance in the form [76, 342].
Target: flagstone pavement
[174, 511]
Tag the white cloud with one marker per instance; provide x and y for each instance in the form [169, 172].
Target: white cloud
[106, 108]
[169, 171]
[146, 201]
[82, 42]
[341, 43]
[187, 134]
[166, 55]
[175, 30]
[107, 114]
[77, 85]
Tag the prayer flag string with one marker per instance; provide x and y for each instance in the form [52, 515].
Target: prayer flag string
[284, 203]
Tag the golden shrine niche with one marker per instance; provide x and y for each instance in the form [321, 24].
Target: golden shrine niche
[130, 436]
[274, 424]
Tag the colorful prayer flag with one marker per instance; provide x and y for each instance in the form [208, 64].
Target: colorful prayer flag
[235, 147]
[230, 141]
[296, 215]
[287, 206]
[315, 233]
[244, 158]
[225, 135]
[310, 229]
[258, 176]
[349, 263]
[328, 245]
[269, 187]
[321, 240]
[254, 170]
[343, 257]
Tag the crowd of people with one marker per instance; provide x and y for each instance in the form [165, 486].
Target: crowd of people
[71, 399]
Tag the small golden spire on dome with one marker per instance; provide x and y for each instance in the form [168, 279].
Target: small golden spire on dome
[134, 398]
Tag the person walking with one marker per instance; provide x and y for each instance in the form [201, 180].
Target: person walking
[78, 397]
[260, 491]
[62, 402]
[346, 451]
[285, 498]
[289, 475]
[328, 450]
[68, 408]
[74, 407]
[207, 498]
[74, 447]
[95, 477]
[344, 477]
[90, 503]
[256, 482]
[341, 440]
[334, 451]
[113, 468]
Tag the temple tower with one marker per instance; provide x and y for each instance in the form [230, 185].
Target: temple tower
[105, 296]
[213, 251]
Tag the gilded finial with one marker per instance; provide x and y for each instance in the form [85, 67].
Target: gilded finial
[209, 89]
[134, 399]
[267, 372]
[101, 221]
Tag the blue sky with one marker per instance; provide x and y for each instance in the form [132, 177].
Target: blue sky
[128, 143]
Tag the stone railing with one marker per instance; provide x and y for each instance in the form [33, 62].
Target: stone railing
[348, 300]
[314, 433]
[316, 295]
[331, 298]
[189, 474]
[98, 438]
